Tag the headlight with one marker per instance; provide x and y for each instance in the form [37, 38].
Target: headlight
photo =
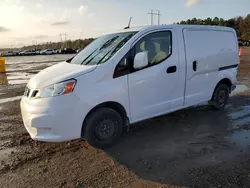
[57, 89]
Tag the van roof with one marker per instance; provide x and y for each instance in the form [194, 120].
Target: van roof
[176, 26]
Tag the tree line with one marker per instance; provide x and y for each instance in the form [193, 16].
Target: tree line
[240, 24]
[73, 44]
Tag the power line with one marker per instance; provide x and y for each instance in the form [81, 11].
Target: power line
[155, 13]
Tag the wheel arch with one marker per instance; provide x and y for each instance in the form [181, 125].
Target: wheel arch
[225, 81]
[110, 104]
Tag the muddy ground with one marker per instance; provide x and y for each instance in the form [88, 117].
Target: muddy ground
[195, 147]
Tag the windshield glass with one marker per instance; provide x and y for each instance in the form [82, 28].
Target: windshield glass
[102, 49]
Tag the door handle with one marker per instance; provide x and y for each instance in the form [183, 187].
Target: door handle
[195, 65]
[171, 69]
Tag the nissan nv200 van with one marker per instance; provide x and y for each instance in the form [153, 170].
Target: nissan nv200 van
[129, 76]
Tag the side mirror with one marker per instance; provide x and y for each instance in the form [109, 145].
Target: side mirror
[141, 60]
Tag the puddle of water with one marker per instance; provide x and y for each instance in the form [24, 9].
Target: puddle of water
[18, 69]
[244, 121]
[239, 89]
[15, 82]
[19, 76]
[38, 59]
[243, 111]
[240, 138]
[10, 99]
[5, 153]
[15, 78]
[240, 116]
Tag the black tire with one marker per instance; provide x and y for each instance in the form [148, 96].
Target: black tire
[220, 97]
[103, 128]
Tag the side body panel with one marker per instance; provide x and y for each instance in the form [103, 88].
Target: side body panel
[207, 51]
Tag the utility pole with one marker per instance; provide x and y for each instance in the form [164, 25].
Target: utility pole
[61, 40]
[155, 13]
[152, 16]
[63, 37]
[34, 43]
[159, 14]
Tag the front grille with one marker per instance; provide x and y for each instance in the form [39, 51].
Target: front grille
[30, 93]
[27, 92]
[34, 93]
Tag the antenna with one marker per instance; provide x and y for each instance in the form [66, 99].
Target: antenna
[128, 23]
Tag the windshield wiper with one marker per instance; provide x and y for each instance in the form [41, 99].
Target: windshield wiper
[105, 45]
[109, 42]
[89, 56]
[116, 48]
[93, 58]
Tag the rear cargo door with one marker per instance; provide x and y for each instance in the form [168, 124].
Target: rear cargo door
[206, 52]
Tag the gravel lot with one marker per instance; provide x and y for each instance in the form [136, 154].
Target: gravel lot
[195, 147]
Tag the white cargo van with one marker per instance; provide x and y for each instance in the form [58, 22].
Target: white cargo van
[129, 76]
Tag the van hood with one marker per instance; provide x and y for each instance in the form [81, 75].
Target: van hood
[57, 73]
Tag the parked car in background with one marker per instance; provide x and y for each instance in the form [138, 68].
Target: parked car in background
[42, 52]
[47, 52]
[78, 50]
[18, 52]
[9, 53]
[26, 52]
[67, 51]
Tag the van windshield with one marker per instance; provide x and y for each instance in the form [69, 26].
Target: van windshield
[102, 49]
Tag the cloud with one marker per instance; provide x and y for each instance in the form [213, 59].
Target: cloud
[65, 14]
[191, 3]
[23, 38]
[91, 15]
[40, 36]
[39, 6]
[13, 16]
[60, 23]
[82, 9]
[4, 29]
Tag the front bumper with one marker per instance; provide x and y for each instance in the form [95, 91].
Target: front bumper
[54, 119]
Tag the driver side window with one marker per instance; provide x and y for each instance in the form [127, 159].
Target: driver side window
[158, 46]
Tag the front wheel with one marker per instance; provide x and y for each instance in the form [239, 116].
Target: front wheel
[103, 128]
[221, 96]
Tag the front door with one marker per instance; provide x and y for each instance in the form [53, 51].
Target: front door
[152, 88]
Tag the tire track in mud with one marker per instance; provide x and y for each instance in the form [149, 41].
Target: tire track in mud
[40, 152]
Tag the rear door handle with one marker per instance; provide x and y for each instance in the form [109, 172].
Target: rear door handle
[195, 65]
[171, 69]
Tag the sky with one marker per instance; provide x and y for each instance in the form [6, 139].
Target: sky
[27, 22]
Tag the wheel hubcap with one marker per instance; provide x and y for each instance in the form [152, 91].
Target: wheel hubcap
[105, 129]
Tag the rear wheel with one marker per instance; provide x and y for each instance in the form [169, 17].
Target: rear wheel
[103, 128]
[221, 96]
